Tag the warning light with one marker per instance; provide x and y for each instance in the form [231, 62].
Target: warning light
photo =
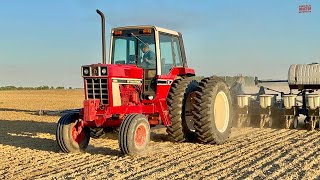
[117, 33]
[146, 31]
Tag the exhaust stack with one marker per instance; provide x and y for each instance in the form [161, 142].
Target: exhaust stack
[103, 36]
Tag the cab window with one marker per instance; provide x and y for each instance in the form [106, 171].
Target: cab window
[177, 51]
[170, 54]
[129, 49]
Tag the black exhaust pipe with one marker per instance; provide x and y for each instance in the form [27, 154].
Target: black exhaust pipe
[103, 36]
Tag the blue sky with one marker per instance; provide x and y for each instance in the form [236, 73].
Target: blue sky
[46, 42]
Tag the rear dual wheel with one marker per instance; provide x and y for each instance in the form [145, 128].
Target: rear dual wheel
[180, 102]
[213, 111]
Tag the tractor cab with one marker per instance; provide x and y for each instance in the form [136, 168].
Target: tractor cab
[143, 63]
[155, 50]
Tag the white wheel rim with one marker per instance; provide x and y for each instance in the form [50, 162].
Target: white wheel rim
[221, 112]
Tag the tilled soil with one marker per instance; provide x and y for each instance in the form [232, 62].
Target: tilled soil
[28, 149]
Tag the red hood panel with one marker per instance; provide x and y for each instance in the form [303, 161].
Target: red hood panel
[122, 71]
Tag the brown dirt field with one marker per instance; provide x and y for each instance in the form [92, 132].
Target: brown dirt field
[28, 149]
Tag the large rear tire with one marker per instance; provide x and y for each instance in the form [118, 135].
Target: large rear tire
[134, 134]
[70, 135]
[213, 111]
[180, 102]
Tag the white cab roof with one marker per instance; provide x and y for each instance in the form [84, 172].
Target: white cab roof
[148, 26]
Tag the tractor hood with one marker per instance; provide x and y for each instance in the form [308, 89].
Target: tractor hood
[112, 70]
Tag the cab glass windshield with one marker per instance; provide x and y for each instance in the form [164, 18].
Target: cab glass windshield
[134, 47]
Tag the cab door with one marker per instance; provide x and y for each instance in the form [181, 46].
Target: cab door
[149, 72]
[170, 57]
[170, 53]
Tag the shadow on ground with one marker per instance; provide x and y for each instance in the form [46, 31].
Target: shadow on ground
[25, 134]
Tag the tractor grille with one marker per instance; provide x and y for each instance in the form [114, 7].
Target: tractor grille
[98, 89]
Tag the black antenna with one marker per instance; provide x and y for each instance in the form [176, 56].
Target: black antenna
[103, 36]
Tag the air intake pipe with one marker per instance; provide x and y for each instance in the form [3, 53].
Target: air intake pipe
[103, 36]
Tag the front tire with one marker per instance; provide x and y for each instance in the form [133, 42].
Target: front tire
[213, 111]
[71, 136]
[134, 134]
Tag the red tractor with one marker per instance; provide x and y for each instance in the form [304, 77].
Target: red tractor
[146, 83]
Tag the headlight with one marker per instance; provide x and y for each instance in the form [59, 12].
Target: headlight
[86, 71]
[103, 71]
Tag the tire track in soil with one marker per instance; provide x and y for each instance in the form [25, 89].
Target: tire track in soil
[25, 170]
[23, 161]
[166, 150]
[209, 148]
[300, 173]
[297, 169]
[200, 155]
[314, 164]
[12, 155]
[207, 163]
[80, 163]
[242, 132]
[294, 151]
[261, 160]
[60, 161]
[36, 160]
[78, 160]
[204, 163]
[93, 167]
[301, 160]
[83, 166]
[85, 169]
[40, 163]
[214, 157]
[141, 161]
[243, 163]
[130, 166]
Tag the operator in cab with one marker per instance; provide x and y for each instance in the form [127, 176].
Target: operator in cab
[149, 57]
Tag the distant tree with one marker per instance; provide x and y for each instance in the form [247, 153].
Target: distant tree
[8, 88]
[59, 87]
[43, 88]
[70, 87]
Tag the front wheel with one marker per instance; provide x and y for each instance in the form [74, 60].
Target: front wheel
[134, 134]
[71, 136]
